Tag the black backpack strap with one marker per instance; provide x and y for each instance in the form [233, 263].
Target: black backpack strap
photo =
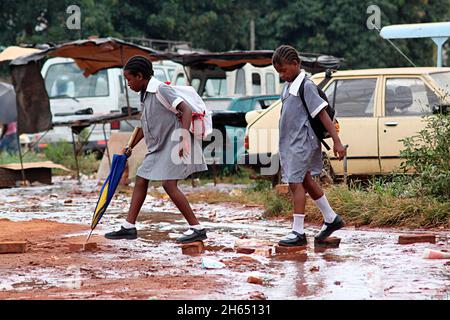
[301, 93]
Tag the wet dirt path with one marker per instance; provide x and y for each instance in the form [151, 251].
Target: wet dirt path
[369, 264]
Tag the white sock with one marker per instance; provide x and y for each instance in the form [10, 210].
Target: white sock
[324, 207]
[197, 227]
[128, 225]
[297, 225]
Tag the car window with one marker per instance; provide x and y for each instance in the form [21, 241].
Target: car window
[256, 83]
[67, 80]
[407, 97]
[242, 105]
[171, 72]
[261, 104]
[443, 80]
[216, 87]
[239, 87]
[352, 97]
[180, 80]
[218, 104]
[195, 83]
[270, 83]
[160, 75]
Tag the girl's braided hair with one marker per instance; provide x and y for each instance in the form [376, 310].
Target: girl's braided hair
[285, 53]
[139, 64]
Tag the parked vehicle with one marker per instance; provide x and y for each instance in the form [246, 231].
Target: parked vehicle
[228, 115]
[376, 108]
[73, 96]
[245, 81]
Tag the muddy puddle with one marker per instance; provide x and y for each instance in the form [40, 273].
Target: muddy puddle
[368, 264]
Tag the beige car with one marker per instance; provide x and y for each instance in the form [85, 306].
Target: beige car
[375, 108]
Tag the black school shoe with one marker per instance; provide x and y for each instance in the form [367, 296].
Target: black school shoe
[337, 224]
[298, 241]
[196, 235]
[123, 233]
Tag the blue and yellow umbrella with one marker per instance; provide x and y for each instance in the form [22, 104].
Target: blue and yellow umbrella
[110, 185]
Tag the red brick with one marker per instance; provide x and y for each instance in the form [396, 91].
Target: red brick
[254, 280]
[91, 246]
[408, 239]
[282, 188]
[74, 247]
[13, 247]
[330, 242]
[193, 248]
[264, 251]
[245, 250]
[282, 249]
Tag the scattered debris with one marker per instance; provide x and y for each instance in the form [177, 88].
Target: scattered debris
[408, 239]
[208, 263]
[257, 295]
[314, 269]
[338, 283]
[435, 254]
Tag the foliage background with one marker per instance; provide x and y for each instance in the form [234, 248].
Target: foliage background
[330, 27]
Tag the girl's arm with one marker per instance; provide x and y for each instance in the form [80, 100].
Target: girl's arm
[338, 148]
[186, 115]
[138, 135]
[186, 118]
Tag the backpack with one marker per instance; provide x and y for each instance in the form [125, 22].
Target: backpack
[201, 124]
[316, 123]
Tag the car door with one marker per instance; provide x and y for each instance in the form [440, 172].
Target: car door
[406, 100]
[355, 101]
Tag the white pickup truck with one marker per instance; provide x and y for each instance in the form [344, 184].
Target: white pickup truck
[73, 96]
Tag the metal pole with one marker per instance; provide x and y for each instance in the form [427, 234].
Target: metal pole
[107, 149]
[345, 165]
[252, 34]
[76, 157]
[125, 81]
[21, 160]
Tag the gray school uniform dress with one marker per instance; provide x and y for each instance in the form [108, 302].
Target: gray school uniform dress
[299, 148]
[162, 161]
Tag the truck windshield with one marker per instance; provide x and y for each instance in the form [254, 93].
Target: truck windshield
[67, 80]
[443, 80]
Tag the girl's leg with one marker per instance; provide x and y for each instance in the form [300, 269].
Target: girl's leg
[298, 197]
[137, 199]
[316, 193]
[297, 237]
[332, 220]
[179, 199]
[128, 229]
[196, 232]
[312, 187]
